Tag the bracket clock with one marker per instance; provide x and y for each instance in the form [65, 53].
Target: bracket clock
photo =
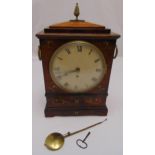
[77, 59]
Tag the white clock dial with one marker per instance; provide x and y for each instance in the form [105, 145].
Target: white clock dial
[77, 66]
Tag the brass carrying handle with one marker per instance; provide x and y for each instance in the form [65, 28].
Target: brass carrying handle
[115, 52]
[39, 53]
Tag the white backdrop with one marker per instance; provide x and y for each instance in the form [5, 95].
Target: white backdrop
[104, 12]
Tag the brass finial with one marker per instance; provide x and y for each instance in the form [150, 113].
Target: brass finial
[77, 11]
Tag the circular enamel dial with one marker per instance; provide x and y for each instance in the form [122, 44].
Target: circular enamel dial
[77, 66]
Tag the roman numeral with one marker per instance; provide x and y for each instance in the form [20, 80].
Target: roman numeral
[79, 48]
[57, 68]
[77, 76]
[94, 79]
[68, 51]
[98, 70]
[97, 60]
[90, 52]
[58, 77]
[66, 84]
[59, 58]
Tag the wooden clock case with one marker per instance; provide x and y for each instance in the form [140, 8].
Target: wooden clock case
[93, 102]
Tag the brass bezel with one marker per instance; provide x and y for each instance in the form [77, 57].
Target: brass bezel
[76, 42]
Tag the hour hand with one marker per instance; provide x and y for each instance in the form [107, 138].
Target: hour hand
[72, 71]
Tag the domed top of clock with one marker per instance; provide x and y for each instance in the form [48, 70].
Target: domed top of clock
[77, 23]
[77, 27]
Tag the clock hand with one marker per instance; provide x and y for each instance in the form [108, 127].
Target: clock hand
[71, 71]
[68, 72]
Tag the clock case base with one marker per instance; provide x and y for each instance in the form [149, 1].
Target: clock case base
[50, 112]
[61, 104]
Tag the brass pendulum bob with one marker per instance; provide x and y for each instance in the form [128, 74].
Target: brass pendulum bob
[55, 141]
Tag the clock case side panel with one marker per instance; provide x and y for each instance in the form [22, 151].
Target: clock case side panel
[108, 48]
[48, 47]
[56, 104]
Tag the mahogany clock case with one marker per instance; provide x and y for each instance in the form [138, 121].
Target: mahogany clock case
[93, 102]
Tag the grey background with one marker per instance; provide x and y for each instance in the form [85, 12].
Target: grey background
[104, 12]
[106, 138]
